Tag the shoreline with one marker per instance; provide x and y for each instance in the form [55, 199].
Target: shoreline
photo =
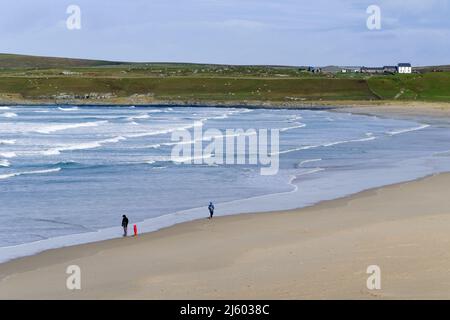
[382, 108]
[32, 266]
[37, 266]
[156, 224]
[301, 104]
[152, 225]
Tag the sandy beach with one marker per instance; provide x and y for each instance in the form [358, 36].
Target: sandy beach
[321, 252]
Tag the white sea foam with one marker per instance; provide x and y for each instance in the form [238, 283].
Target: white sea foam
[61, 127]
[7, 142]
[163, 131]
[5, 108]
[9, 154]
[309, 161]
[16, 174]
[68, 109]
[82, 146]
[295, 118]
[4, 163]
[139, 117]
[190, 159]
[370, 137]
[298, 126]
[178, 160]
[395, 132]
[8, 115]
[204, 139]
[197, 123]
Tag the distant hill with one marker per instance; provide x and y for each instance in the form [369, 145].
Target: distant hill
[33, 79]
[433, 68]
[24, 61]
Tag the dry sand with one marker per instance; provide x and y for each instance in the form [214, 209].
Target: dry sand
[318, 252]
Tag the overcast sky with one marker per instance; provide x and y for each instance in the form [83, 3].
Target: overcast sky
[282, 32]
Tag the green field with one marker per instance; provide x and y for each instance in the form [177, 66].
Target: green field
[57, 79]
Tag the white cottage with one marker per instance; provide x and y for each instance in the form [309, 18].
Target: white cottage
[404, 68]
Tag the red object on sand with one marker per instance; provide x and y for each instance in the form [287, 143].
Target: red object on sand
[135, 230]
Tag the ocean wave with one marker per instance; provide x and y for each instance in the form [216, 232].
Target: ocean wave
[159, 167]
[8, 142]
[8, 115]
[81, 146]
[197, 123]
[139, 117]
[400, 131]
[61, 127]
[204, 139]
[65, 164]
[9, 154]
[298, 126]
[5, 108]
[442, 153]
[308, 161]
[225, 115]
[164, 131]
[190, 159]
[295, 118]
[370, 138]
[4, 163]
[16, 174]
[176, 160]
[369, 135]
[68, 109]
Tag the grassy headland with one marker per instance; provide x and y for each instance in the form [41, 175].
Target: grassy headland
[28, 79]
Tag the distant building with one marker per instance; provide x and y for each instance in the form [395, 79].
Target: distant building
[390, 69]
[351, 70]
[372, 70]
[314, 70]
[404, 68]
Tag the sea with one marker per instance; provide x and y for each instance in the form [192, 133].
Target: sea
[69, 173]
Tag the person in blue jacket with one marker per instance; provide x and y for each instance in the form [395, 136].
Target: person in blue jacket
[211, 210]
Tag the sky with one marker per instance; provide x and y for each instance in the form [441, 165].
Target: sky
[275, 32]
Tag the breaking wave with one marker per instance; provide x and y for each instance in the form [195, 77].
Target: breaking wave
[61, 127]
[16, 174]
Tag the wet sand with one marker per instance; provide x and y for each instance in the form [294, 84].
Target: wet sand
[320, 252]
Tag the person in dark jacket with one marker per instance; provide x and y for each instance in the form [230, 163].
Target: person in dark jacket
[211, 210]
[125, 225]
